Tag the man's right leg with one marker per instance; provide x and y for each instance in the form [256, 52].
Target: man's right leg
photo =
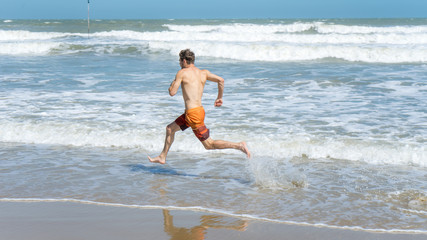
[171, 129]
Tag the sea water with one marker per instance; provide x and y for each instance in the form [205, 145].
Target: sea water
[333, 111]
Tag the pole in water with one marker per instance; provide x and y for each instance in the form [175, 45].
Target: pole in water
[88, 19]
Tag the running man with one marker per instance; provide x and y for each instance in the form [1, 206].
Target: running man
[192, 80]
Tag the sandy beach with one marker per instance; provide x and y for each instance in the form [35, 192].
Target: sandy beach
[70, 220]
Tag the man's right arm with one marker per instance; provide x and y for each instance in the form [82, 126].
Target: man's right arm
[214, 78]
[173, 88]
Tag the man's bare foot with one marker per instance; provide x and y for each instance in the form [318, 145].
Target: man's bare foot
[244, 149]
[157, 160]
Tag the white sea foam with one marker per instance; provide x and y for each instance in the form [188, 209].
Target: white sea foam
[289, 52]
[238, 51]
[71, 134]
[232, 36]
[30, 48]
[22, 35]
[250, 37]
[345, 29]
[297, 27]
[276, 175]
[244, 28]
[247, 42]
[80, 134]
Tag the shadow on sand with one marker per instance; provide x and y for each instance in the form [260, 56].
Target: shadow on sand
[163, 170]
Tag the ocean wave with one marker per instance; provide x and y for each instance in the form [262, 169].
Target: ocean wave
[39, 48]
[250, 37]
[29, 48]
[119, 37]
[23, 35]
[345, 29]
[297, 27]
[241, 42]
[247, 36]
[101, 135]
[290, 52]
[234, 51]
[244, 28]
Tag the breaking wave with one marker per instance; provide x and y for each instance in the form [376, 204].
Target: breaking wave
[299, 41]
[146, 139]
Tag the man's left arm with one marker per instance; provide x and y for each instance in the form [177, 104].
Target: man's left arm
[214, 78]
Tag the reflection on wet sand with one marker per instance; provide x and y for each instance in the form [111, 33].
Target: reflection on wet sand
[198, 232]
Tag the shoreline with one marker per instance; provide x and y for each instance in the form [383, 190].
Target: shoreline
[55, 219]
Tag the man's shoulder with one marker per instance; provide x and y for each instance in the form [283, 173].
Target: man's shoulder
[205, 73]
[184, 71]
[181, 73]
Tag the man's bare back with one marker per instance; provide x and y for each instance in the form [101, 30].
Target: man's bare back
[193, 80]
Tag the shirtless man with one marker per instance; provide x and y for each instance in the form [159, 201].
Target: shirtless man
[193, 80]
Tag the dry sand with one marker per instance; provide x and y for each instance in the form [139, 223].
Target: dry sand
[72, 221]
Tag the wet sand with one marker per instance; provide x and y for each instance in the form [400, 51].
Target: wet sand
[71, 220]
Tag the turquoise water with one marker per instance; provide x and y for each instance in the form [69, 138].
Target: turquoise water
[334, 112]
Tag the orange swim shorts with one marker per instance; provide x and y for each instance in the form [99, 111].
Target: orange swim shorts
[194, 118]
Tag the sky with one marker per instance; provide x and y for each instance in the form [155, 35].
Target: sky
[204, 9]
